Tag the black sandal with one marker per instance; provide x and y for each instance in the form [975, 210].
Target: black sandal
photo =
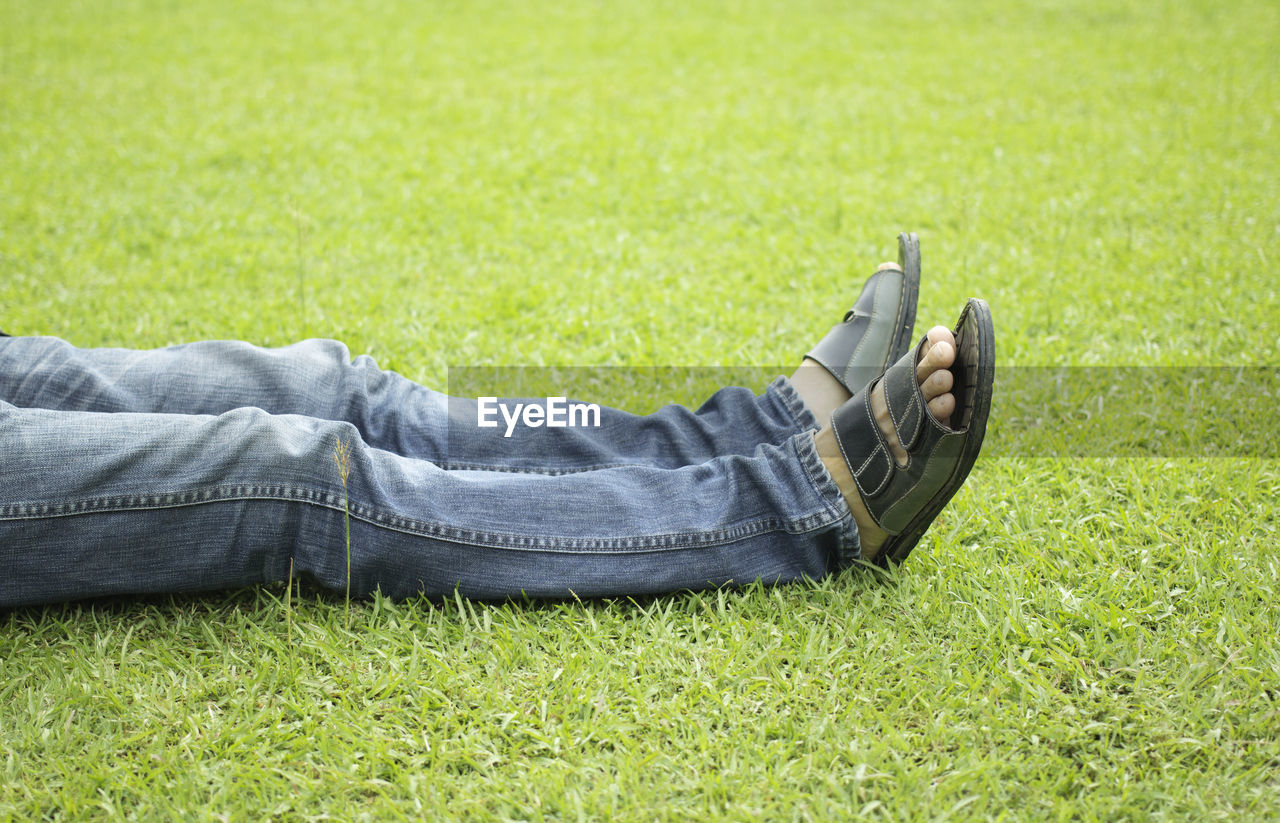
[877, 330]
[904, 500]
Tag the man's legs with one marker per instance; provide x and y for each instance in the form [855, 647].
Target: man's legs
[94, 504]
[318, 378]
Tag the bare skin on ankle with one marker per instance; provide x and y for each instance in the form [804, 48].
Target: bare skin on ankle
[819, 389]
[934, 373]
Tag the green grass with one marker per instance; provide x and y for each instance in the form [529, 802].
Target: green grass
[579, 183]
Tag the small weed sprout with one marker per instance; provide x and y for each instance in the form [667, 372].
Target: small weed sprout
[342, 456]
[288, 605]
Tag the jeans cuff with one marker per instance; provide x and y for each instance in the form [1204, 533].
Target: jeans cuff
[805, 419]
[849, 543]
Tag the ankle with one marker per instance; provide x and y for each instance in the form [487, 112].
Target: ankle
[871, 535]
[818, 389]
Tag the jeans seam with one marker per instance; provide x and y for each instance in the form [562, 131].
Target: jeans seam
[371, 515]
[451, 465]
[153, 501]
[650, 544]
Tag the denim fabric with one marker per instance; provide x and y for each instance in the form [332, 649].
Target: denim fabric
[211, 465]
[318, 378]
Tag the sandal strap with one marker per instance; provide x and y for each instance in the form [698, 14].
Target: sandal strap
[865, 450]
[892, 493]
[903, 396]
[904, 500]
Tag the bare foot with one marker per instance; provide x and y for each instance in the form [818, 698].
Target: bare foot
[933, 370]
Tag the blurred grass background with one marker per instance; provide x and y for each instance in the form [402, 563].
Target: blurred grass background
[693, 183]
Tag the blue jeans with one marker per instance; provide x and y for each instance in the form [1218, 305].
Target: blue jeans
[211, 465]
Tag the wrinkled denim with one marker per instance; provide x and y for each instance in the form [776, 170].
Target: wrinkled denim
[211, 465]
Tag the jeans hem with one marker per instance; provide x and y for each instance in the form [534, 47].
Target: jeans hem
[804, 418]
[849, 547]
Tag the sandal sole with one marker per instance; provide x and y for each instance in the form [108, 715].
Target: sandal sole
[909, 260]
[898, 546]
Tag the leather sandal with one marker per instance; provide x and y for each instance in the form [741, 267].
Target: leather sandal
[904, 499]
[877, 330]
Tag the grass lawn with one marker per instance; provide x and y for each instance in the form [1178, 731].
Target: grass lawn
[599, 183]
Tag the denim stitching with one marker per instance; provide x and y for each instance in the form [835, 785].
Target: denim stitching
[368, 514]
[451, 465]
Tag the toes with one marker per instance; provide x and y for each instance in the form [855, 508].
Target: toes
[941, 408]
[937, 384]
[939, 333]
[934, 373]
[936, 335]
[939, 356]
